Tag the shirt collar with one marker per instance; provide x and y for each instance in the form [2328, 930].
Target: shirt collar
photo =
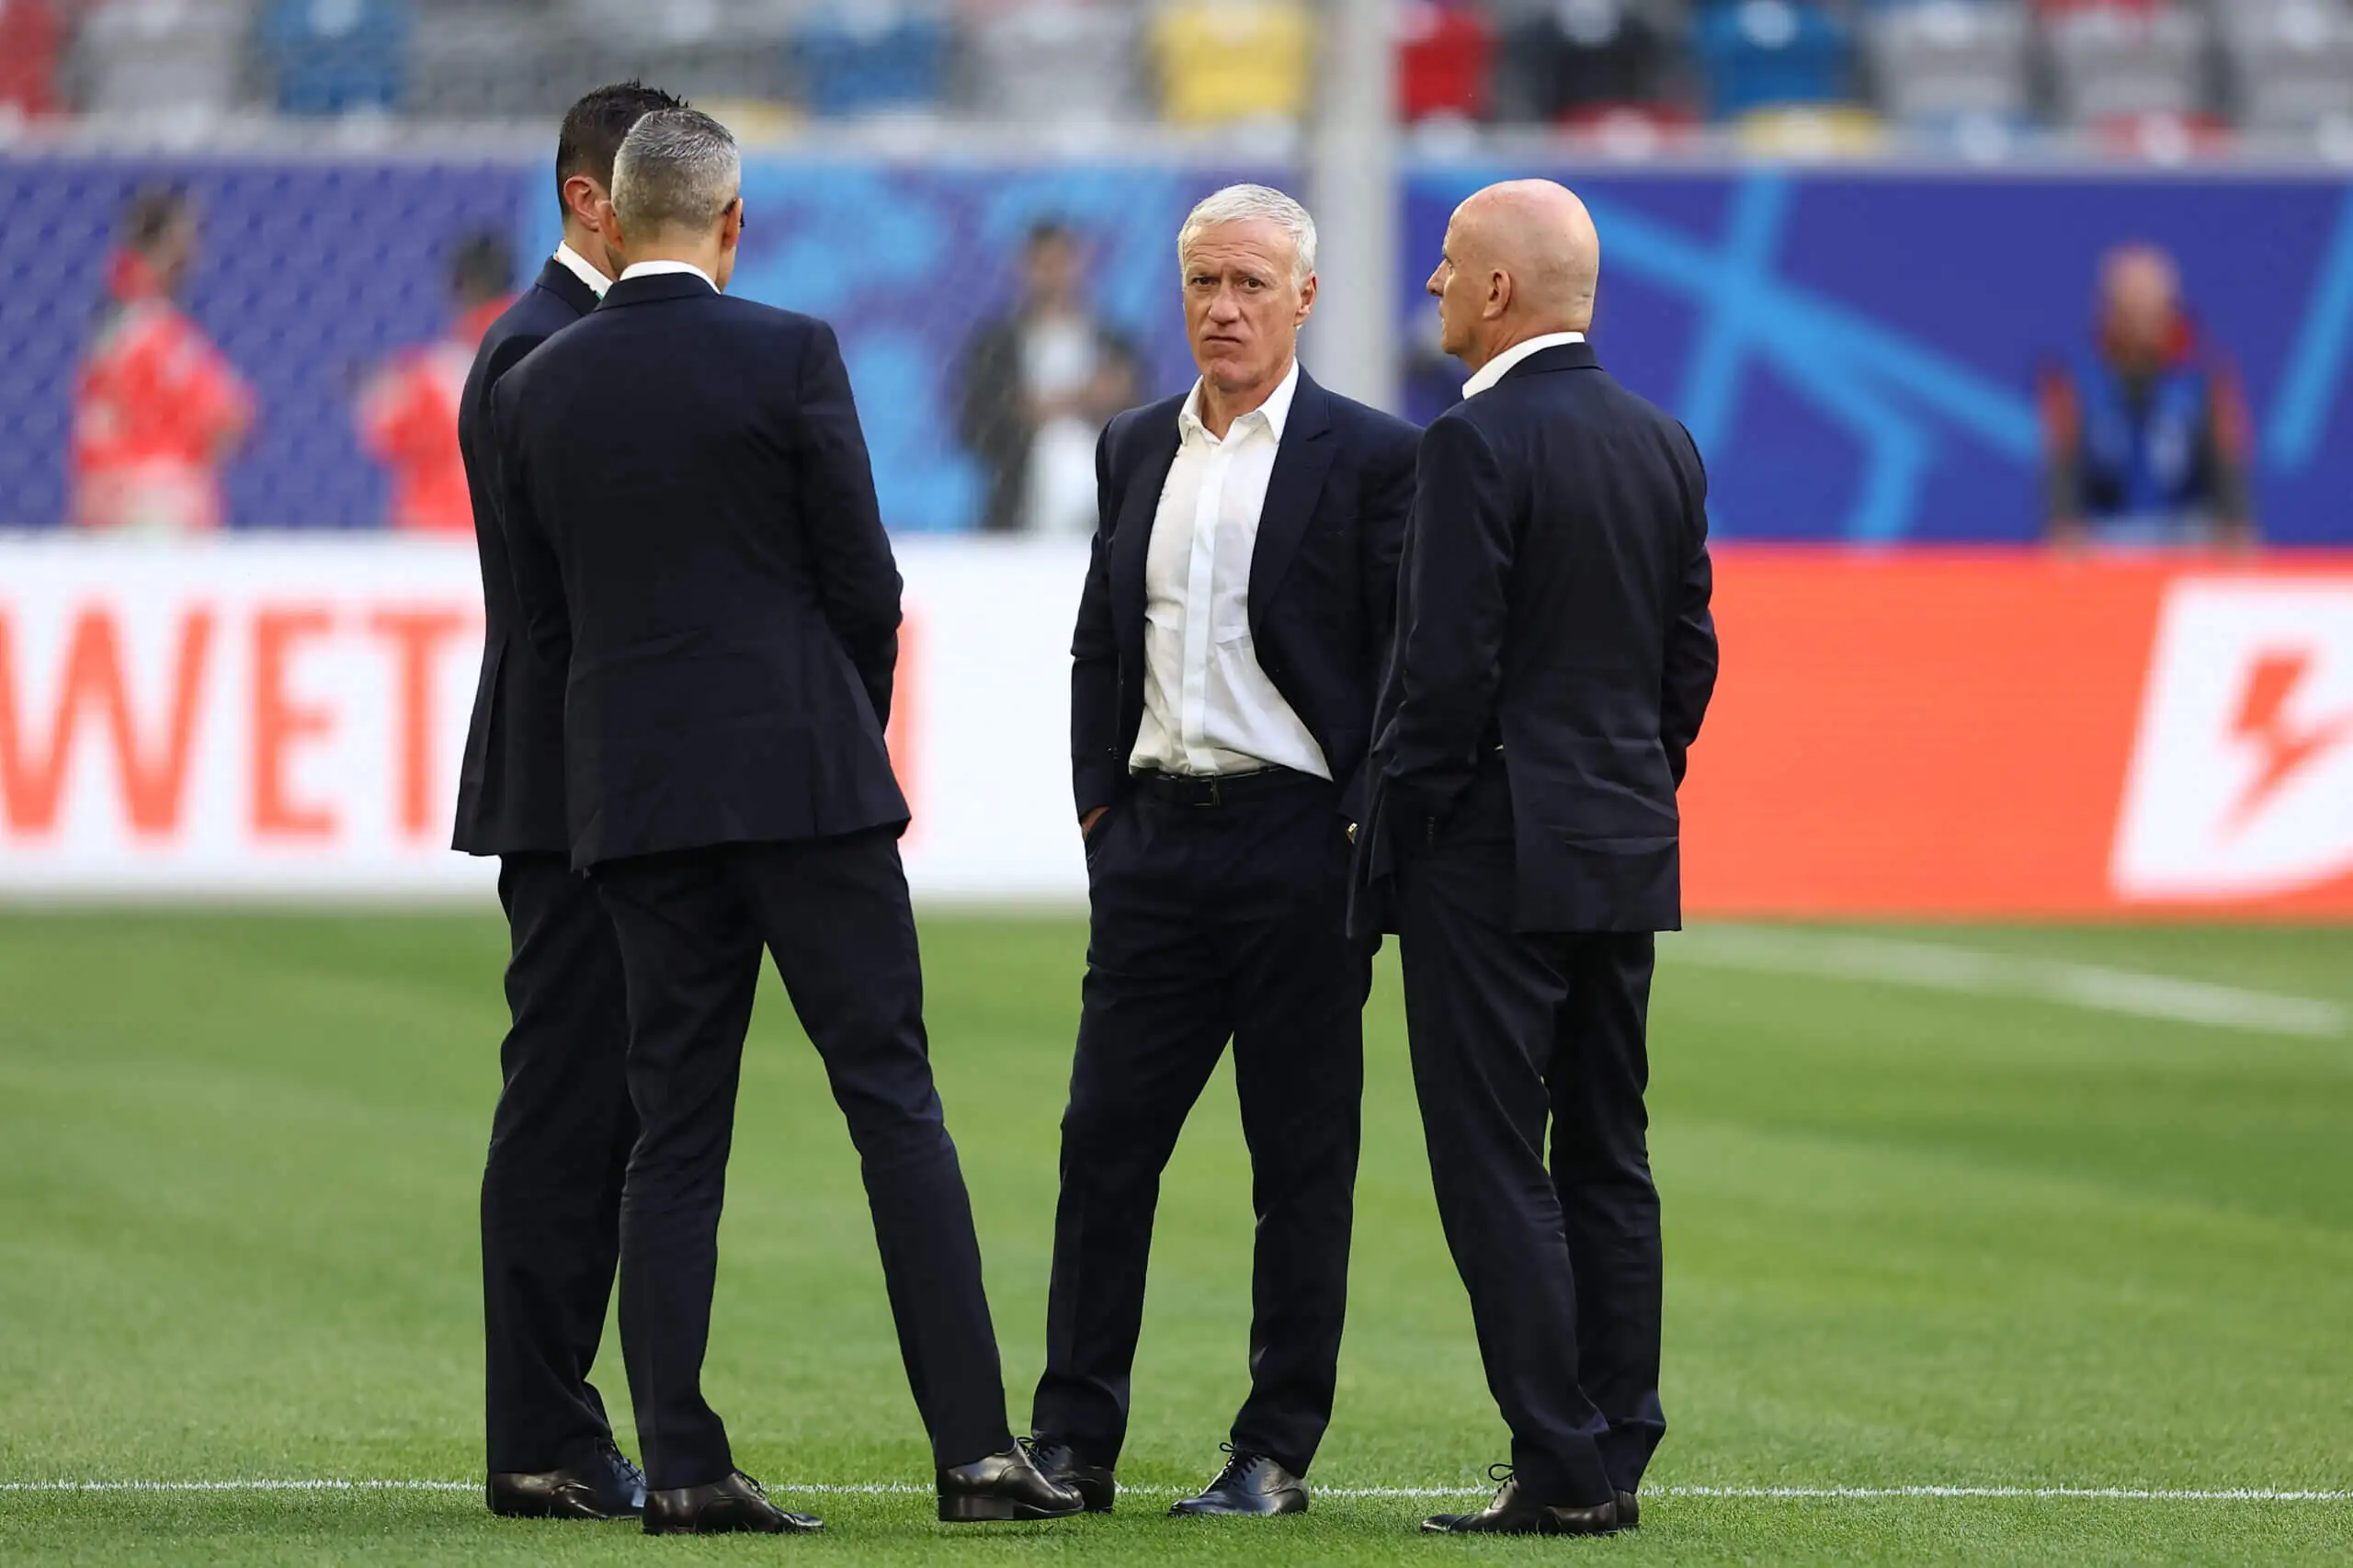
[1497, 368]
[656, 268]
[580, 267]
[1277, 409]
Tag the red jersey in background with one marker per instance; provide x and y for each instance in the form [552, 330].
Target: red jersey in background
[157, 407]
[408, 422]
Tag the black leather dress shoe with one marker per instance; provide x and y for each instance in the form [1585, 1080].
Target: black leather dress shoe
[1095, 1484]
[1249, 1484]
[729, 1507]
[605, 1487]
[1514, 1513]
[1003, 1487]
[1629, 1511]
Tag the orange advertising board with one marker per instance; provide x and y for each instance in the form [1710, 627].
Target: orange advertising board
[2009, 733]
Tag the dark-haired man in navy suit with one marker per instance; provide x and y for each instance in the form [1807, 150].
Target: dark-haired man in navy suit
[560, 1139]
[1229, 641]
[1554, 656]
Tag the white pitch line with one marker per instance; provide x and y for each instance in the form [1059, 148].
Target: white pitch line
[904, 1488]
[1937, 967]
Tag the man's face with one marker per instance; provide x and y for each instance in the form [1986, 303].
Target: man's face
[1460, 296]
[1243, 306]
[2142, 301]
[1052, 271]
[174, 254]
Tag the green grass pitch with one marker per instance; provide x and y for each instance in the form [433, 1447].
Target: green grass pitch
[1915, 1238]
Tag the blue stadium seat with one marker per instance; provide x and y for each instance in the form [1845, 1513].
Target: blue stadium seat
[860, 57]
[335, 56]
[1763, 53]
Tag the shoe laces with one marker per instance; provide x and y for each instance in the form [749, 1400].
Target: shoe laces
[1500, 1474]
[1238, 1464]
[620, 1462]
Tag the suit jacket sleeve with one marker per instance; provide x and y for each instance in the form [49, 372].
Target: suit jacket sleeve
[1450, 652]
[531, 554]
[1095, 766]
[1387, 503]
[1690, 666]
[857, 578]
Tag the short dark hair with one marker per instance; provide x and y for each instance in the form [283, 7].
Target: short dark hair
[482, 265]
[155, 211]
[595, 127]
[1049, 232]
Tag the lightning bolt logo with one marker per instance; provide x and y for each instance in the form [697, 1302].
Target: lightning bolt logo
[2263, 722]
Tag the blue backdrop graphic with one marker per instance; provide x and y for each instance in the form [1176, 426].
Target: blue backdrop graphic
[1853, 351]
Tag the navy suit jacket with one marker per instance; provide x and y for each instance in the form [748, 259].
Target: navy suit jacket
[1322, 580]
[510, 787]
[691, 515]
[1553, 602]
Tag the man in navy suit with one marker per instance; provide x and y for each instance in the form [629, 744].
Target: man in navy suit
[690, 517]
[560, 1139]
[1229, 641]
[1554, 656]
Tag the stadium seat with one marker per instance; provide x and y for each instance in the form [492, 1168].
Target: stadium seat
[2289, 64]
[1810, 130]
[335, 56]
[468, 61]
[1572, 60]
[30, 40]
[169, 59]
[1939, 61]
[863, 56]
[1226, 61]
[712, 51]
[1766, 53]
[1444, 56]
[2110, 64]
[1055, 61]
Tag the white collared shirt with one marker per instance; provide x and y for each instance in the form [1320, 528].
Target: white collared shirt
[1208, 708]
[656, 268]
[1497, 368]
[580, 267]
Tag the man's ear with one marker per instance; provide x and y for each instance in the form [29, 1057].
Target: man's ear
[1306, 300]
[585, 200]
[730, 227]
[1498, 294]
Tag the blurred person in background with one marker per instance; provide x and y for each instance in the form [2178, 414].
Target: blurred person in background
[1230, 638]
[1555, 656]
[561, 1138]
[1036, 387]
[2147, 434]
[157, 409]
[408, 414]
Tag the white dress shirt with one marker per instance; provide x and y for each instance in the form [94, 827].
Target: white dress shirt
[656, 268]
[1208, 708]
[1497, 368]
[580, 267]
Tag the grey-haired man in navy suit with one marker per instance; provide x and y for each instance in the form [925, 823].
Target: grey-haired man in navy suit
[1229, 641]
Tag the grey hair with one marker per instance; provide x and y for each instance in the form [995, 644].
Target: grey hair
[1239, 203]
[678, 167]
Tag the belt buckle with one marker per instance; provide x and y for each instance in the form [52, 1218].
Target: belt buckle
[1212, 793]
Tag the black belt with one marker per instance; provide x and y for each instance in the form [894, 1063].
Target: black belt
[1214, 789]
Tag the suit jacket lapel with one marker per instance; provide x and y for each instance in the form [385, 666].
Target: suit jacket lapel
[1300, 464]
[1132, 539]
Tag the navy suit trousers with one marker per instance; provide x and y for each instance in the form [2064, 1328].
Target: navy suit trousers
[1209, 924]
[1513, 1031]
[552, 1187]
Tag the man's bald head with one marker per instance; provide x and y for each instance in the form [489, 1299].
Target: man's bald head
[1522, 259]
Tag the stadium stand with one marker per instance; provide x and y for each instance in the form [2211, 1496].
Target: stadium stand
[2145, 75]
